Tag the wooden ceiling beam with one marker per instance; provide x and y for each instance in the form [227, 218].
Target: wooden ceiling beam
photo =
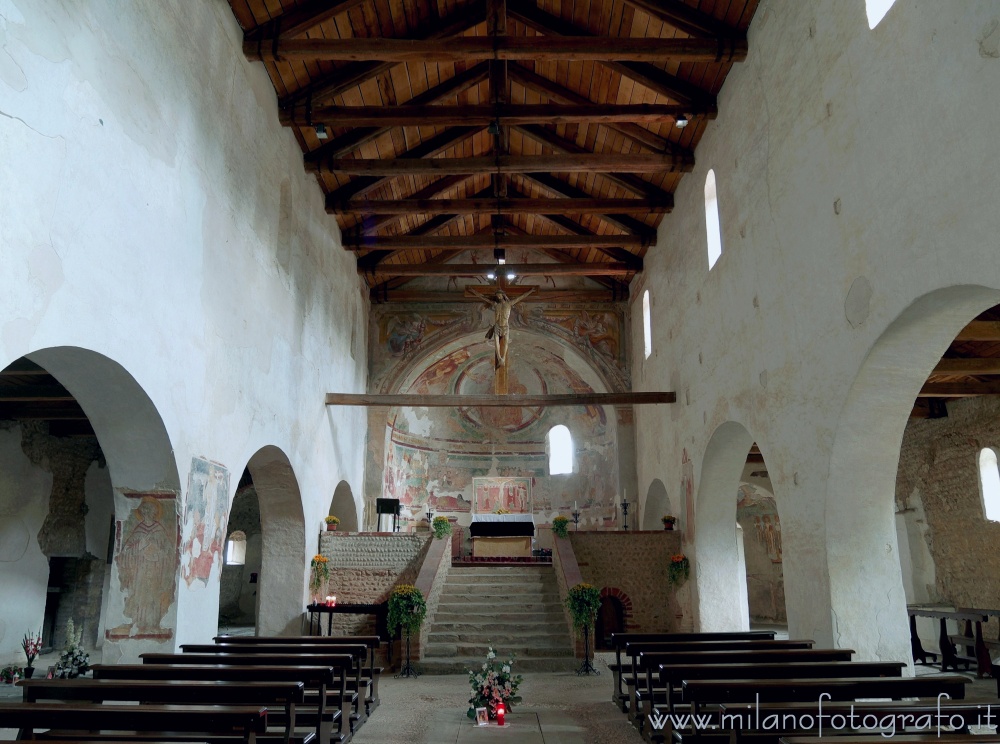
[34, 394]
[967, 367]
[562, 296]
[325, 87]
[686, 18]
[529, 14]
[555, 185]
[351, 141]
[980, 330]
[499, 401]
[299, 19]
[428, 149]
[503, 206]
[466, 48]
[558, 94]
[959, 389]
[531, 269]
[440, 186]
[454, 116]
[489, 242]
[561, 163]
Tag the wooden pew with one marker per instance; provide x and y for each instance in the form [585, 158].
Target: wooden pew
[950, 657]
[619, 640]
[242, 721]
[319, 678]
[373, 642]
[283, 695]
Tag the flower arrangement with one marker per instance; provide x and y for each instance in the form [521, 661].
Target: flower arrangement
[441, 527]
[493, 684]
[31, 644]
[407, 609]
[10, 673]
[560, 527]
[332, 520]
[319, 572]
[678, 570]
[583, 601]
[74, 661]
[668, 519]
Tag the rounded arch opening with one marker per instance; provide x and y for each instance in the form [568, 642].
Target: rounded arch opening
[240, 581]
[656, 506]
[862, 555]
[111, 508]
[282, 582]
[343, 507]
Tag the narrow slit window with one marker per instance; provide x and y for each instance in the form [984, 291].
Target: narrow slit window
[714, 229]
[989, 479]
[236, 549]
[876, 10]
[647, 326]
[560, 451]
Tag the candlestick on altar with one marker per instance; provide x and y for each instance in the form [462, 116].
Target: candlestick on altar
[625, 506]
[576, 519]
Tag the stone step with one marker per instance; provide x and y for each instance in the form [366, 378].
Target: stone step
[478, 650]
[527, 580]
[498, 636]
[448, 619]
[462, 665]
[480, 590]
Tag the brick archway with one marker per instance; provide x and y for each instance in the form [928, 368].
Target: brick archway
[615, 616]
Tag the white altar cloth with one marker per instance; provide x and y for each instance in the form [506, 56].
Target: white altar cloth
[503, 518]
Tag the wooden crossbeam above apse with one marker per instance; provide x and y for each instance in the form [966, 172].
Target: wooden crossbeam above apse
[535, 269]
[499, 401]
[500, 206]
[466, 48]
[355, 242]
[563, 163]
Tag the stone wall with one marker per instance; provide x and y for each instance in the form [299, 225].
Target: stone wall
[938, 480]
[365, 568]
[635, 564]
[430, 581]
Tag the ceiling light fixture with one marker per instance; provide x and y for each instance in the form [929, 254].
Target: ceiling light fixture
[492, 275]
[682, 121]
[321, 131]
[510, 275]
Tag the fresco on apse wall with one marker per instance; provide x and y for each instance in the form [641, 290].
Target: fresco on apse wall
[433, 456]
[757, 514]
[146, 562]
[205, 513]
[400, 333]
[511, 494]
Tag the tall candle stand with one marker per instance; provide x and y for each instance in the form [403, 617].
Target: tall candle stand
[625, 506]
[586, 668]
[576, 519]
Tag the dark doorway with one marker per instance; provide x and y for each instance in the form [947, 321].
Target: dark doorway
[610, 619]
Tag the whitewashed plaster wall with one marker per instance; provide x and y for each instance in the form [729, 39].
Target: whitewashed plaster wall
[858, 191]
[154, 211]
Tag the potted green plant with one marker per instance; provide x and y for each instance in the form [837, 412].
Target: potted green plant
[407, 610]
[331, 523]
[668, 521]
[441, 527]
[560, 527]
[584, 602]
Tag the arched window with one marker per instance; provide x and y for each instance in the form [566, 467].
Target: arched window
[989, 479]
[236, 549]
[647, 327]
[876, 10]
[560, 450]
[712, 220]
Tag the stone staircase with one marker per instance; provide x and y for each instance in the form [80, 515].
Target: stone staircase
[515, 609]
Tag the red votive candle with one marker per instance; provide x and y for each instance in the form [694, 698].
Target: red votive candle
[500, 714]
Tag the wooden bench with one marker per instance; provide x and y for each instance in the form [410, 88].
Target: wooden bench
[950, 657]
[242, 721]
[619, 640]
[321, 717]
[373, 642]
[283, 695]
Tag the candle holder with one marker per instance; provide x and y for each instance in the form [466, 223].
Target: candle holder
[576, 519]
[407, 669]
[430, 516]
[586, 667]
[625, 506]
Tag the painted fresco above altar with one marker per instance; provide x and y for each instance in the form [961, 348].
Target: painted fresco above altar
[510, 494]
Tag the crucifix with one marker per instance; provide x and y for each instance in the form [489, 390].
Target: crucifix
[502, 300]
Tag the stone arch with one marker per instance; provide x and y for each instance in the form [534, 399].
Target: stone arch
[866, 588]
[140, 606]
[282, 583]
[614, 602]
[717, 552]
[343, 506]
[657, 505]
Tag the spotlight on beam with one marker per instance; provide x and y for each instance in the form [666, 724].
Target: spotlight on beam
[492, 275]
[510, 275]
[321, 131]
[682, 121]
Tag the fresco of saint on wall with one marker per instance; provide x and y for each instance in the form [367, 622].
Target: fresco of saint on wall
[205, 513]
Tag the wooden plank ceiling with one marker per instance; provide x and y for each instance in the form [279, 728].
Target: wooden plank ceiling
[449, 133]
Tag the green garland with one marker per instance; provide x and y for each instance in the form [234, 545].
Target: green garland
[407, 609]
[560, 527]
[583, 601]
[441, 527]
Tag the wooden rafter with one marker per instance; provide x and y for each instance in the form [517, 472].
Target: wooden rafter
[959, 389]
[300, 19]
[555, 185]
[980, 330]
[440, 186]
[686, 18]
[502, 206]
[502, 401]
[563, 296]
[532, 269]
[987, 366]
[562, 163]
[489, 242]
[465, 48]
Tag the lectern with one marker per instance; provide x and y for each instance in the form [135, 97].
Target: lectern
[387, 508]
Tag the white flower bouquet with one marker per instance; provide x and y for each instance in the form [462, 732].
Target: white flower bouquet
[494, 684]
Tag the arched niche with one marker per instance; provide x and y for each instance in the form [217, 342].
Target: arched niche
[344, 507]
[863, 564]
[282, 583]
[657, 506]
[140, 604]
[720, 588]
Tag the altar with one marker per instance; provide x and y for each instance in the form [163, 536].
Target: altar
[502, 535]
